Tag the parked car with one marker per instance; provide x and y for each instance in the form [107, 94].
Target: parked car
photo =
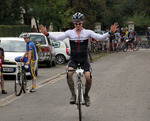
[47, 53]
[14, 47]
[62, 48]
[62, 52]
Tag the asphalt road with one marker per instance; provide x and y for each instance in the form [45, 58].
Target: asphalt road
[120, 92]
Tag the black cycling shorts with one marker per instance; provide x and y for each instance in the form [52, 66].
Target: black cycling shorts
[85, 65]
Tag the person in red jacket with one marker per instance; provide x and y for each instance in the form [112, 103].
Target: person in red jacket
[2, 78]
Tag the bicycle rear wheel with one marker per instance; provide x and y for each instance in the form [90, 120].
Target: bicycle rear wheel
[79, 102]
[18, 85]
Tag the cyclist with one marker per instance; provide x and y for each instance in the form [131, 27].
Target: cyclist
[2, 78]
[79, 38]
[29, 58]
[126, 31]
[123, 34]
[131, 37]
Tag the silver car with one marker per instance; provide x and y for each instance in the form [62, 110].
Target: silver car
[47, 54]
[14, 47]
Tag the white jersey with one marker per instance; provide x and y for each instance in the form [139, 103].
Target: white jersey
[78, 43]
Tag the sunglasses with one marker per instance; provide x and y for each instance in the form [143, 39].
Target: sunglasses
[77, 23]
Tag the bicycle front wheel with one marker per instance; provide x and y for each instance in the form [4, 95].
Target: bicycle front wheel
[79, 102]
[125, 48]
[24, 82]
[18, 85]
[135, 46]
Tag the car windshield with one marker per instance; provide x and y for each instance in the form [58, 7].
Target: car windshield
[13, 46]
[38, 39]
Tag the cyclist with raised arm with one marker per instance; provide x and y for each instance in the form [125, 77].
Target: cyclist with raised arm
[29, 58]
[79, 38]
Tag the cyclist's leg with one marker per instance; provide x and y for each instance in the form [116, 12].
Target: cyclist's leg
[31, 69]
[17, 59]
[132, 43]
[71, 65]
[88, 75]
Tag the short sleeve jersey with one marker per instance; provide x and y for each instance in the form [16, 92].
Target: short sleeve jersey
[31, 46]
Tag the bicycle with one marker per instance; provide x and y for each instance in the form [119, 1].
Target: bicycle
[128, 44]
[21, 81]
[79, 90]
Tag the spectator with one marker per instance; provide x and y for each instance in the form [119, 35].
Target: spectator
[2, 78]
[112, 38]
[148, 34]
[131, 36]
[33, 29]
[126, 31]
[122, 35]
[118, 36]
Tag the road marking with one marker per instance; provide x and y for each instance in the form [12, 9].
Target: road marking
[13, 97]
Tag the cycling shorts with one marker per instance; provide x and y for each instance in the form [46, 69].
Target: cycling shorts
[85, 65]
[131, 40]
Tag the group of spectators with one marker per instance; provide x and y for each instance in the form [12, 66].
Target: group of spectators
[122, 36]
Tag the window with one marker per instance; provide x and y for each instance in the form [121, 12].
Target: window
[56, 44]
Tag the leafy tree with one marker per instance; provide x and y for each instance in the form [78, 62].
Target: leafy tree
[5, 6]
[141, 20]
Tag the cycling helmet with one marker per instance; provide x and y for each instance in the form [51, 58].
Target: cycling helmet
[26, 35]
[78, 17]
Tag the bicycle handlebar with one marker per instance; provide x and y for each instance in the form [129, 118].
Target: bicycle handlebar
[20, 63]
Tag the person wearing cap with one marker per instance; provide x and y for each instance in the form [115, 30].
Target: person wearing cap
[29, 57]
[79, 38]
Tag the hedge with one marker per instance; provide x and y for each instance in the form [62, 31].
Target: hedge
[13, 30]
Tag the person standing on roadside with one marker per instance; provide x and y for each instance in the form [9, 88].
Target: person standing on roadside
[33, 29]
[2, 77]
[79, 38]
[148, 34]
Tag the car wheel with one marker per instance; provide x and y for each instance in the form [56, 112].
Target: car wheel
[49, 63]
[60, 59]
[54, 62]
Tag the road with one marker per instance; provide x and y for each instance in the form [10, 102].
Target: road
[120, 92]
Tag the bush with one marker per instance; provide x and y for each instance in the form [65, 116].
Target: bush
[13, 30]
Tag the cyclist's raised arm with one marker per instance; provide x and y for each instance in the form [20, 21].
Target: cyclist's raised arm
[99, 37]
[55, 38]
